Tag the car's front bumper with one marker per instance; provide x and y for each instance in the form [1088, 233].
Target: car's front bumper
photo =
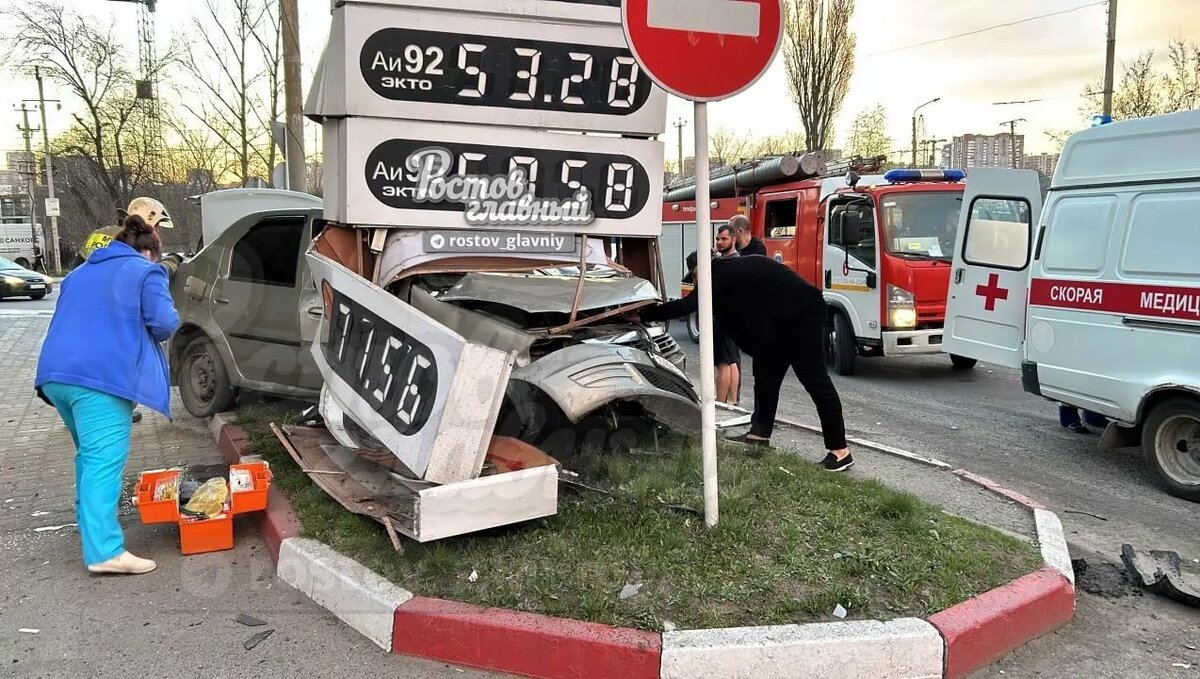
[909, 342]
[25, 289]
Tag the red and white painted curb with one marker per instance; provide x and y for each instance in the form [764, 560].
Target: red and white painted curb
[951, 643]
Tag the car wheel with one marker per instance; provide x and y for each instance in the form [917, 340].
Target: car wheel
[841, 343]
[21, 262]
[204, 385]
[962, 362]
[1171, 445]
[693, 327]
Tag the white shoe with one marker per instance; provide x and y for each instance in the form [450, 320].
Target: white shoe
[124, 564]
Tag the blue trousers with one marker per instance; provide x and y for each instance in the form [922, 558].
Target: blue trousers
[100, 426]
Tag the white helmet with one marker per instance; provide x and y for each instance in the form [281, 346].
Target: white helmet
[151, 211]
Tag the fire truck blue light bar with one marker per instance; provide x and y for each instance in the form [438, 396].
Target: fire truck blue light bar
[899, 176]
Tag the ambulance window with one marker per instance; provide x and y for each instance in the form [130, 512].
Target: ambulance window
[1161, 242]
[1078, 233]
[781, 218]
[998, 232]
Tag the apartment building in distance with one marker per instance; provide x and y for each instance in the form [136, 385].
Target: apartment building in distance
[987, 150]
[1044, 163]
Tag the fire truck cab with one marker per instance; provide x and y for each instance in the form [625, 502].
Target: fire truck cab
[882, 258]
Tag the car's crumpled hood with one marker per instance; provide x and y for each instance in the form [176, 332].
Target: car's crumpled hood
[538, 293]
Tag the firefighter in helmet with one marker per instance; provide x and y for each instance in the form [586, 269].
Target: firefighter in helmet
[152, 211]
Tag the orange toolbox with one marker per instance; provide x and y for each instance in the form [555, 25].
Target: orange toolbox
[156, 497]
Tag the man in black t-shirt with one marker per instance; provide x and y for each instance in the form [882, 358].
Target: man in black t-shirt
[778, 318]
[746, 243]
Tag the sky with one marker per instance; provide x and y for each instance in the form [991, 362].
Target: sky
[1051, 59]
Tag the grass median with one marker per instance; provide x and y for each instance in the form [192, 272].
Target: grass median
[792, 544]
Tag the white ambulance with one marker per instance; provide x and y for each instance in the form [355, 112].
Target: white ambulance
[1099, 305]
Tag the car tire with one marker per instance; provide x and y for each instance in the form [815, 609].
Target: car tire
[841, 344]
[21, 262]
[693, 327]
[1171, 446]
[962, 362]
[204, 384]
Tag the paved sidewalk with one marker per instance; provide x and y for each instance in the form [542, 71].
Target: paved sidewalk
[176, 621]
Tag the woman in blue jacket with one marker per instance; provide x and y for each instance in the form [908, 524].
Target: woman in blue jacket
[100, 357]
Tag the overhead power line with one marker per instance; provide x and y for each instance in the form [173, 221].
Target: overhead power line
[989, 28]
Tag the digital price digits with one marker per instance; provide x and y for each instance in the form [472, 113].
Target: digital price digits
[619, 185]
[394, 373]
[451, 68]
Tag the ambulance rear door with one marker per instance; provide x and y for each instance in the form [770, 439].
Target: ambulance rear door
[986, 307]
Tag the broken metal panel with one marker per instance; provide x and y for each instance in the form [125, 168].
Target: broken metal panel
[583, 378]
[425, 513]
[487, 502]
[425, 392]
[540, 293]
[474, 327]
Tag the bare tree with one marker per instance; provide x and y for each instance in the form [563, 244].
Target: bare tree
[780, 144]
[234, 89]
[89, 60]
[819, 56]
[1183, 81]
[728, 146]
[1140, 93]
[868, 133]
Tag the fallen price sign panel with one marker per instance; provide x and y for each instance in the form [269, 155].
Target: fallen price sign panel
[704, 50]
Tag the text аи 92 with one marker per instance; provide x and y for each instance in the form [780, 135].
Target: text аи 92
[394, 373]
[619, 185]
[452, 68]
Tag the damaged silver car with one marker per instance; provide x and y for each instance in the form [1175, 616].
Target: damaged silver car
[580, 373]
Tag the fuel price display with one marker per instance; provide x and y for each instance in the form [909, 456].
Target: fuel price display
[438, 65]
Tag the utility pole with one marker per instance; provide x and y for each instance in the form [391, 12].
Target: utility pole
[679, 124]
[30, 172]
[933, 151]
[296, 164]
[914, 128]
[1012, 138]
[1110, 57]
[56, 255]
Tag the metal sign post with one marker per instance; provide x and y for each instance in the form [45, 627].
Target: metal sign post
[708, 387]
[704, 50]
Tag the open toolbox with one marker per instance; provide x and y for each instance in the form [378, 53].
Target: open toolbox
[157, 497]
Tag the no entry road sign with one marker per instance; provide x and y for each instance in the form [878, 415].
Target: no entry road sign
[704, 50]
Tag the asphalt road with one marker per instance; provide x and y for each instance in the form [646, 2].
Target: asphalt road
[26, 304]
[982, 420]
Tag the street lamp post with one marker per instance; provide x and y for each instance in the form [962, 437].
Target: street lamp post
[914, 128]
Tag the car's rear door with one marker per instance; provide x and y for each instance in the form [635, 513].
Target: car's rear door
[255, 298]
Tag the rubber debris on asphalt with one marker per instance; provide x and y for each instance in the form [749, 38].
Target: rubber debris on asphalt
[1159, 571]
[257, 639]
[250, 620]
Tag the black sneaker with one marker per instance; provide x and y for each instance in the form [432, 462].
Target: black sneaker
[1079, 428]
[832, 464]
[745, 439]
[137, 416]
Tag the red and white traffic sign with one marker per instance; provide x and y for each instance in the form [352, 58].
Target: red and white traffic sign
[704, 50]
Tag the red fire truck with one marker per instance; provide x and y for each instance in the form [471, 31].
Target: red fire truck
[879, 246]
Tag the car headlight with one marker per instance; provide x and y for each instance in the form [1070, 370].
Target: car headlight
[902, 308]
[13, 280]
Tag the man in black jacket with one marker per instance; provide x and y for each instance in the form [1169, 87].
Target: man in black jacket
[778, 318]
[745, 242]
